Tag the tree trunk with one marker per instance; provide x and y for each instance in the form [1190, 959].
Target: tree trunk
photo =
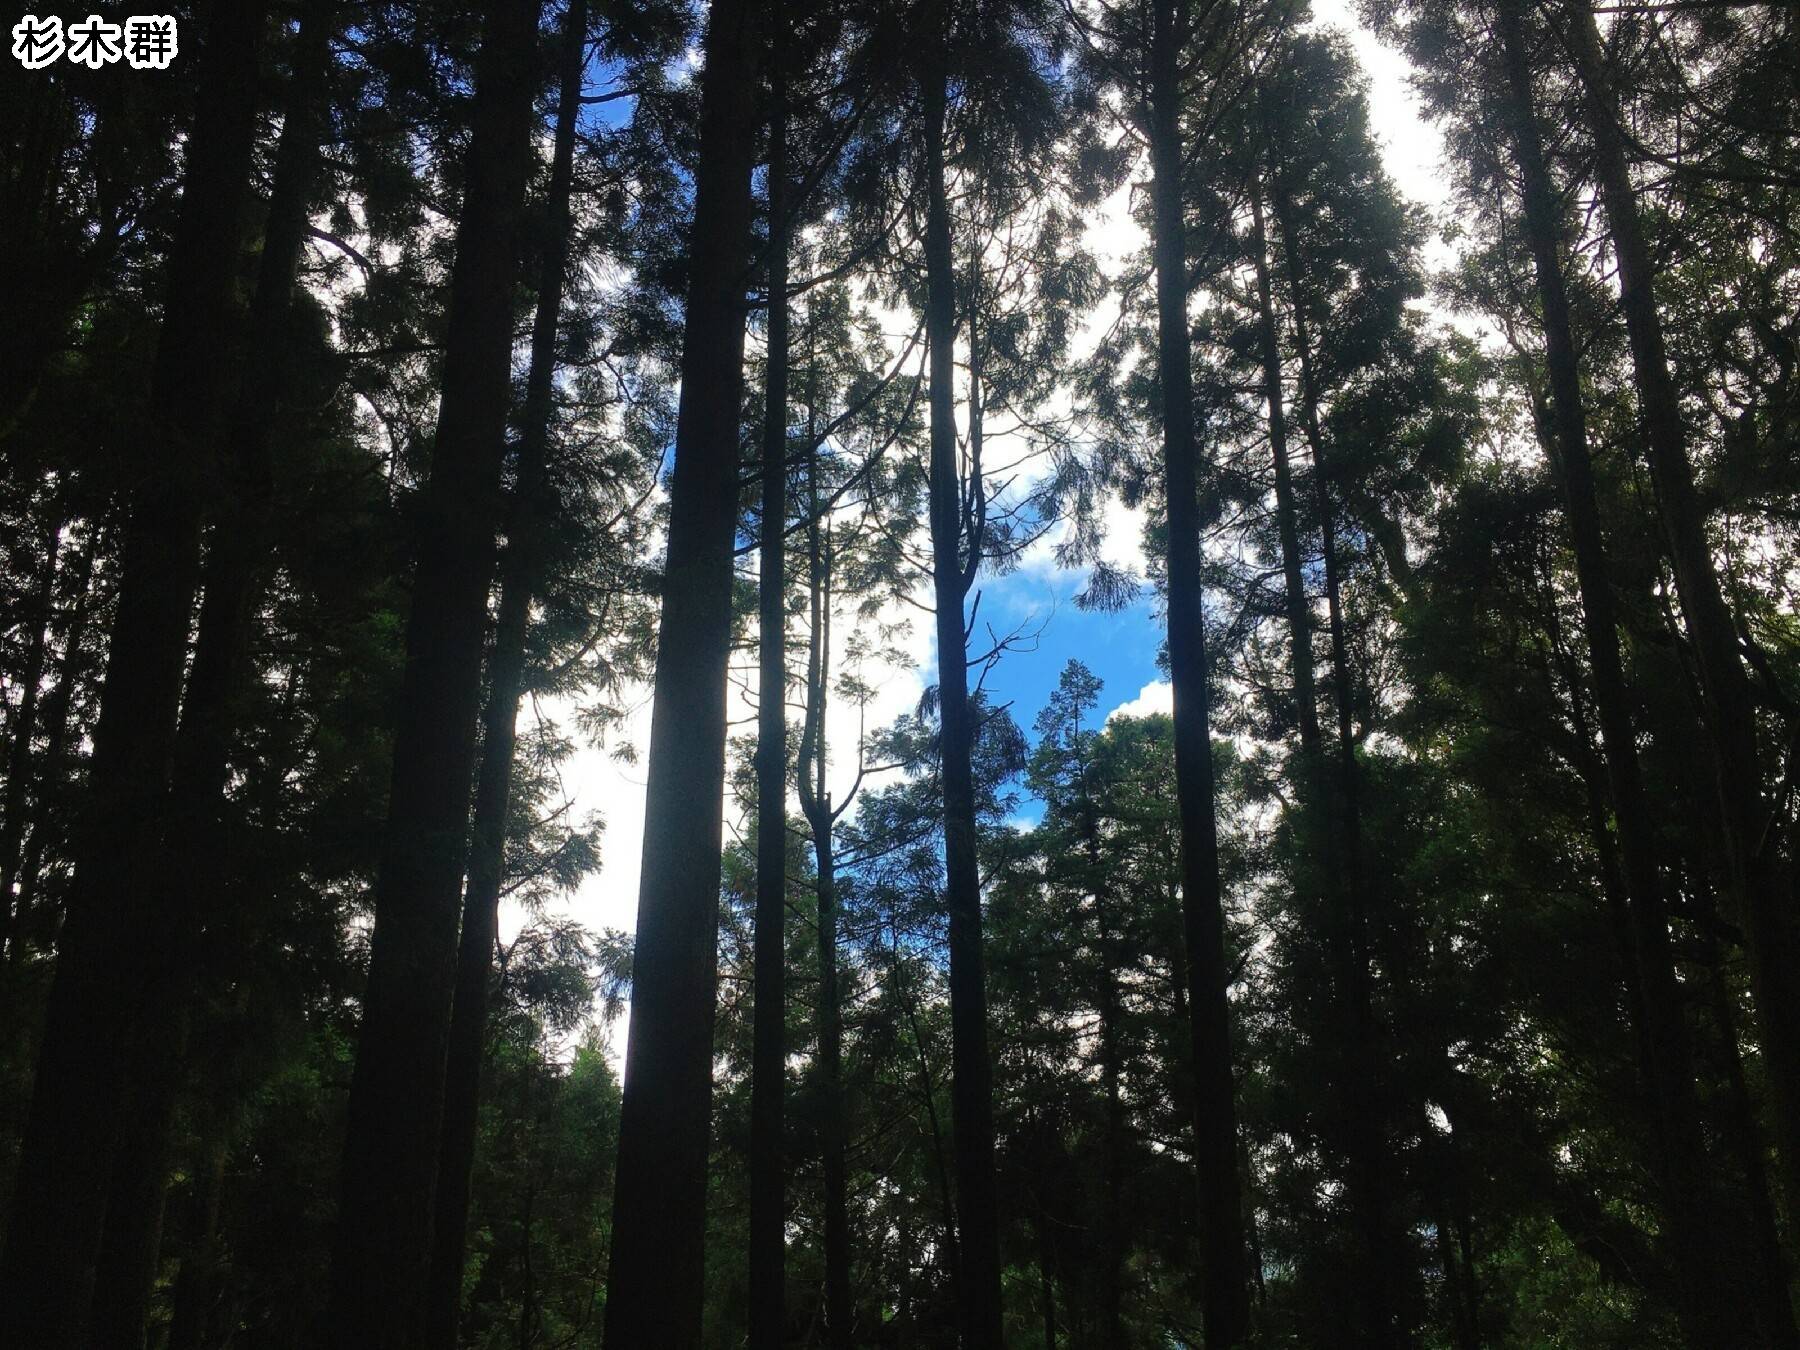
[197, 1287]
[655, 1287]
[1691, 1202]
[1299, 607]
[768, 1189]
[190, 883]
[928, 1099]
[821, 815]
[1465, 1333]
[1224, 1260]
[520, 576]
[112, 937]
[838, 1308]
[1764, 1232]
[971, 1082]
[131, 1240]
[1774, 947]
[388, 1183]
[1112, 1223]
[1596, 794]
[1369, 1102]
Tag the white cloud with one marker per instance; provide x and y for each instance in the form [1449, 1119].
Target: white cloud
[1156, 697]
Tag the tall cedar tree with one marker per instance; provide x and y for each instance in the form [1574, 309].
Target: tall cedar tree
[193, 890]
[1361, 1107]
[768, 1153]
[972, 1091]
[1225, 1267]
[389, 1177]
[1695, 1217]
[821, 816]
[1362, 1087]
[1772, 936]
[114, 943]
[520, 573]
[656, 1280]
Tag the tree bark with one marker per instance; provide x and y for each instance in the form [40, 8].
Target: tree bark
[520, 576]
[1730, 715]
[112, 938]
[1225, 1266]
[1691, 1201]
[197, 1286]
[768, 1187]
[971, 1080]
[388, 1183]
[821, 815]
[655, 1287]
[190, 881]
[1764, 1231]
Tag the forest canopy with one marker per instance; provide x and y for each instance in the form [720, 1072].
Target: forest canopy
[1200, 754]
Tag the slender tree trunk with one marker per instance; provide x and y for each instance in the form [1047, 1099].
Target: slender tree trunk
[1464, 1223]
[389, 1177]
[655, 1286]
[111, 937]
[928, 1098]
[821, 815]
[1299, 607]
[1368, 1092]
[131, 1241]
[190, 871]
[1769, 925]
[1112, 1236]
[1690, 1198]
[197, 1287]
[768, 1164]
[971, 1087]
[839, 1312]
[1364, 1113]
[1764, 1233]
[1596, 792]
[1464, 1333]
[1224, 1260]
[520, 576]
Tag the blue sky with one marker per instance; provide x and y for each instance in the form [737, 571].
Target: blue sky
[1120, 648]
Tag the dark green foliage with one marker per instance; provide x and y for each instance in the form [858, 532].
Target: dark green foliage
[1482, 573]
